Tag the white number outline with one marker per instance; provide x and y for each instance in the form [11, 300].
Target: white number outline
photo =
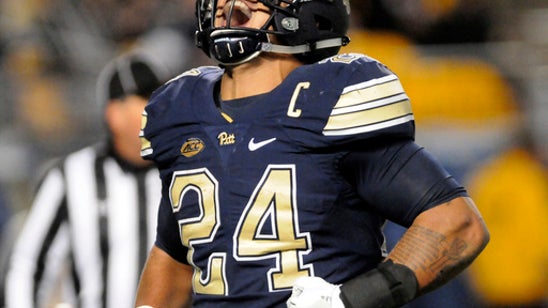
[184, 181]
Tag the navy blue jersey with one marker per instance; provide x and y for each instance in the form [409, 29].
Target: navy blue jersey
[255, 201]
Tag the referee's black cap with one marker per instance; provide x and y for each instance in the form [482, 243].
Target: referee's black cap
[129, 74]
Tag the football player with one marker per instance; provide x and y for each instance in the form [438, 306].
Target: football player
[281, 165]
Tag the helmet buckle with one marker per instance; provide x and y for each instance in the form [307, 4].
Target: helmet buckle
[290, 23]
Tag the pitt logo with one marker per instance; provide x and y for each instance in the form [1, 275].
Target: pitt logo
[226, 138]
[192, 147]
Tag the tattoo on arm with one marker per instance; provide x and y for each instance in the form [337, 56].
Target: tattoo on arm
[422, 249]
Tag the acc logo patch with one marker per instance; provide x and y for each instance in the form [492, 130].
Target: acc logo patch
[192, 147]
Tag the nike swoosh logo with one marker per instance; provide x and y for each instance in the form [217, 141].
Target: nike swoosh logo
[254, 146]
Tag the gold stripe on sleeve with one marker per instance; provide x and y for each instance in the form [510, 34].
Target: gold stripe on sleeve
[367, 117]
[368, 94]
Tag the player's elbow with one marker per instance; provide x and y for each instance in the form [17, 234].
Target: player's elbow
[470, 227]
[460, 223]
[476, 233]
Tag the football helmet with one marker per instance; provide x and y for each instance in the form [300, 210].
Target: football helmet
[310, 29]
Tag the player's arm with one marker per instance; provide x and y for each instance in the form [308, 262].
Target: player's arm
[407, 185]
[440, 243]
[445, 230]
[165, 282]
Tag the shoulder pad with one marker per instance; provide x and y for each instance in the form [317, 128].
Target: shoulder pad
[166, 109]
[371, 101]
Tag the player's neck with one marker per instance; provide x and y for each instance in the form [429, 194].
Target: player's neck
[258, 76]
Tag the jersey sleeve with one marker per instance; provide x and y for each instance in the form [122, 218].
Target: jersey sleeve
[168, 236]
[347, 99]
[399, 180]
[164, 114]
[371, 103]
[167, 233]
[155, 125]
[373, 121]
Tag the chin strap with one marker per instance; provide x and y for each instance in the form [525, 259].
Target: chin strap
[232, 51]
[333, 42]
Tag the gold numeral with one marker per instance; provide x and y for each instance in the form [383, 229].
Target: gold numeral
[268, 228]
[274, 204]
[202, 229]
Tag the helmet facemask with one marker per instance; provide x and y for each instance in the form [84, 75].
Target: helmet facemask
[310, 29]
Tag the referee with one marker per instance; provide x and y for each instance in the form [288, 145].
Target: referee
[93, 217]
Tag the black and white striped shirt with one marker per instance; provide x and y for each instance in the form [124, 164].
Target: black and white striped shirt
[92, 222]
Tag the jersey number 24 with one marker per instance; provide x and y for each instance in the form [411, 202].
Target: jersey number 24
[272, 204]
